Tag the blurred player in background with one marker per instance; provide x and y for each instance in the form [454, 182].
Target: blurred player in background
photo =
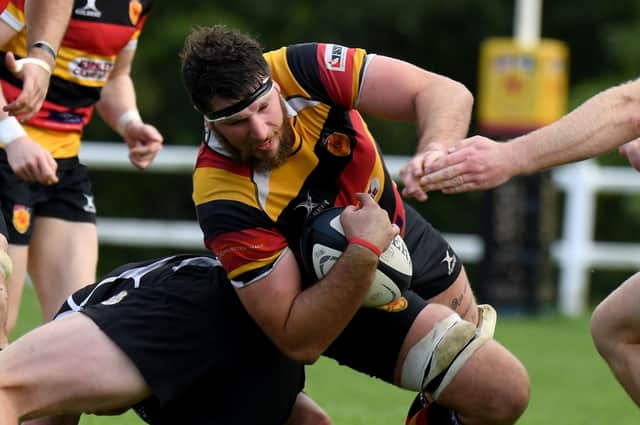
[51, 224]
[47, 21]
[607, 120]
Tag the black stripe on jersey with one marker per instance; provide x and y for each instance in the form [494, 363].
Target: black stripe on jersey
[72, 95]
[299, 56]
[222, 216]
[107, 11]
[321, 187]
[387, 198]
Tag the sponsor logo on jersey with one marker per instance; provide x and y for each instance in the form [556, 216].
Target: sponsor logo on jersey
[338, 144]
[89, 9]
[115, 299]
[335, 57]
[395, 306]
[21, 218]
[90, 69]
[312, 208]
[135, 10]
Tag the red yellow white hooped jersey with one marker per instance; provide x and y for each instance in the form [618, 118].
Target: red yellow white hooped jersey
[250, 218]
[97, 32]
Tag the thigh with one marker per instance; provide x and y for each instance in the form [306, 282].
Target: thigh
[307, 412]
[460, 298]
[68, 365]
[372, 340]
[62, 258]
[618, 314]
[435, 264]
[438, 274]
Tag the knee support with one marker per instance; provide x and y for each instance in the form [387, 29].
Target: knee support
[434, 361]
[6, 265]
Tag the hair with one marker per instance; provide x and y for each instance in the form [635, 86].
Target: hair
[220, 62]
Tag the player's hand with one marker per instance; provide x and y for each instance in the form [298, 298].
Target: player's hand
[476, 163]
[631, 151]
[144, 142]
[413, 170]
[368, 221]
[34, 88]
[31, 162]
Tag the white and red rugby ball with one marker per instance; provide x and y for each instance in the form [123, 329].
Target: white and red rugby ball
[323, 242]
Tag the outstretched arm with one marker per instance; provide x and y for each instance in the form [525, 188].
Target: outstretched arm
[46, 24]
[605, 121]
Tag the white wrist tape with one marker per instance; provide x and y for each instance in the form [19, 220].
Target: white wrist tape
[125, 119]
[10, 130]
[20, 63]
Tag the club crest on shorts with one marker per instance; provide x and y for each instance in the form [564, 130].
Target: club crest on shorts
[115, 299]
[21, 218]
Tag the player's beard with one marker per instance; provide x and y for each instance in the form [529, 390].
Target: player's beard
[264, 161]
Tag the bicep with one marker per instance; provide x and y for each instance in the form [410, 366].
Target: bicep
[268, 300]
[390, 86]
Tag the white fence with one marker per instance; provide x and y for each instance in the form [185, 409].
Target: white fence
[575, 253]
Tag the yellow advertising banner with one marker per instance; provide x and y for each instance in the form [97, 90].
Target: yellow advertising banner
[521, 88]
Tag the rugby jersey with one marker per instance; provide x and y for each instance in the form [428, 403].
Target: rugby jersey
[250, 217]
[98, 30]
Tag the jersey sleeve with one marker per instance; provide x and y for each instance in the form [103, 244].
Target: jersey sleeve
[330, 73]
[235, 227]
[13, 14]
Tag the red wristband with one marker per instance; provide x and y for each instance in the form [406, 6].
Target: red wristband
[365, 243]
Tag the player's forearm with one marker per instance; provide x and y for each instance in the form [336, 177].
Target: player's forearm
[320, 313]
[117, 98]
[443, 112]
[47, 20]
[604, 122]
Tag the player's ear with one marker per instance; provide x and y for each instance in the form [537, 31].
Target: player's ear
[277, 86]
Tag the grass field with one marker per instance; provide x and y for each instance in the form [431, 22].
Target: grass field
[570, 384]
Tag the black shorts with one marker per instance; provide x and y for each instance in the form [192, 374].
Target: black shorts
[372, 340]
[205, 360]
[435, 264]
[70, 199]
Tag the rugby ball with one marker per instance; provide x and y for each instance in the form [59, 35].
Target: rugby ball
[323, 242]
